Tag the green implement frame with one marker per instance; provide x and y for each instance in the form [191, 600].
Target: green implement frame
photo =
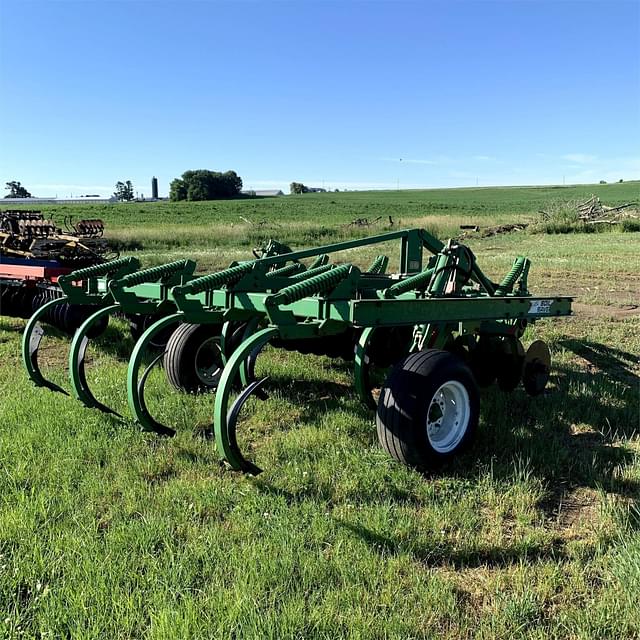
[437, 299]
[444, 299]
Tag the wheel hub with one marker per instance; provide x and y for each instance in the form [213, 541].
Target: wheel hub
[448, 416]
[208, 362]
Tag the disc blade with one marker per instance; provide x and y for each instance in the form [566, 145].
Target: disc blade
[537, 367]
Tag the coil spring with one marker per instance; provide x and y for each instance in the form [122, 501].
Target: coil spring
[215, 280]
[419, 280]
[319, 261]
[315, 284]
[99, 269]
[290, 269]
[310, 273]
[379, 265]
[152, 273]
[510, 279]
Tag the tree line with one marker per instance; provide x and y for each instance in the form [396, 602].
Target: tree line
[200, 184]
[298, 187]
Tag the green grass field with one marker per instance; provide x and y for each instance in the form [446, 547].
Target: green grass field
[202, 228]
[106, 532]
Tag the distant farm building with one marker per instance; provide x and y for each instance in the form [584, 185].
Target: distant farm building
[55, 200]
[263, 193]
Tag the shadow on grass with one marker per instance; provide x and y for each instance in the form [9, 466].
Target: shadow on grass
[444, 553]
[570, 438]
[114, 341]
[436, 551]
[314, 396]
[572, 435]
[12, 328]
[610, 360]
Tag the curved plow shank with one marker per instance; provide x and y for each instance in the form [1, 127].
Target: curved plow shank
[248, 365]
[254, 387]
[77, 355]
[31, 339]
[361, 369]
[136, 383]
[225, 421]
[226, 339]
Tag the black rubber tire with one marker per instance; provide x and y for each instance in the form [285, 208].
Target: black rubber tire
[404, 402]
[135, 326]
[483, 362]
[235, 337]
[138, 324]
[180, 357]
[387, 344]
[58, 313]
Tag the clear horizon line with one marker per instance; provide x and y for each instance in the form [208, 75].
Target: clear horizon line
[389, 187]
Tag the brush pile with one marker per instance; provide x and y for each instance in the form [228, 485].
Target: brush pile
[592, 211]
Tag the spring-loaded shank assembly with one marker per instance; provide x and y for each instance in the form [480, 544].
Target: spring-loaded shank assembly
[438, 315]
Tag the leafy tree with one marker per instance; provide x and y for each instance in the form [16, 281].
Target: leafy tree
[231, 183]
[16, 190]
[203, 184]
[298, 187]
[124, 191]
[178, 190]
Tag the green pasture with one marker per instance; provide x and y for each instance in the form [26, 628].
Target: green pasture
[106, 532]
[311, 219]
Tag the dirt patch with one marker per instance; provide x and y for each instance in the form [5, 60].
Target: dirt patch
[609, 312]
[571, 512]
[576, 508]
[53, 355]
[620, 290]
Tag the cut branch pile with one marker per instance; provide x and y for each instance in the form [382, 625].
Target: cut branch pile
[365, 222]
[469, 230]
[592, 211]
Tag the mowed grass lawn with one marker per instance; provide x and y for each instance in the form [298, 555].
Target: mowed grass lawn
[106, 532]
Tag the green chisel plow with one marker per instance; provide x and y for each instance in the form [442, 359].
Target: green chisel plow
[88, 297]
[438, 328]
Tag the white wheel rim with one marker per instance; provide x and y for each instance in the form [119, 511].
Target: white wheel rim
[448, 416]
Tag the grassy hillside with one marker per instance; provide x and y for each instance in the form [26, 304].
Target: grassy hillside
[336, 208]
[214, 231]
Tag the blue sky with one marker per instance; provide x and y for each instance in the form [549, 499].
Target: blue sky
[492, 92]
